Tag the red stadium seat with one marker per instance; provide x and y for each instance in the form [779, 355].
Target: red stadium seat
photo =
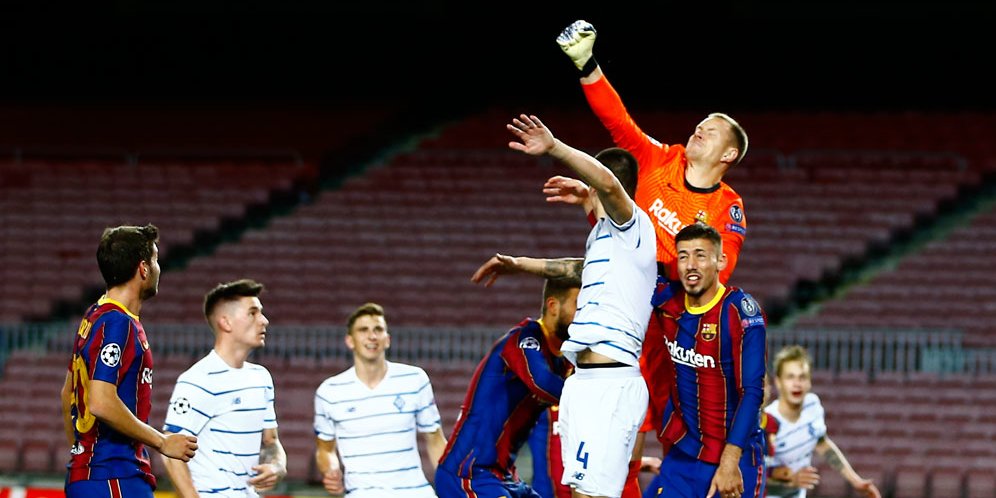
[10, 456]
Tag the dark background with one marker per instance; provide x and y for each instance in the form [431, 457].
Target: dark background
[744, 55]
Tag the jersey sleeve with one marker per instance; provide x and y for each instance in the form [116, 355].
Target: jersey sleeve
[819, 419]
[324, 423]
[427, 417]
[631, 231]
[609, 108]
[749, 362]
[270, 419]
[732, 227]
[189, 408]
[523, 355]
[116, 349]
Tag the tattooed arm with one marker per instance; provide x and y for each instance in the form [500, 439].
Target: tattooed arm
[827, 449]
[272, 462]
[500, 264]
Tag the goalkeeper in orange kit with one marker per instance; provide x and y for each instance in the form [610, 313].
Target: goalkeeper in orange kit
[678, 185]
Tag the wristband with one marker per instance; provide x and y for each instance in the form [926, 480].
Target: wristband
[589, 67]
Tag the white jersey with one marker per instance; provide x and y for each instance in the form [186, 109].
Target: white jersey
[375, 429]
[617, 282]
[227, 409]
[795, 441]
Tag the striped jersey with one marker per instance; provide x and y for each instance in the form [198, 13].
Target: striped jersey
[110, 346]
[796, 441]
[661, 188]
[375, 429]
[548, 463]
[519, 378]
[718, 359]
[227, 409]
[617, 281]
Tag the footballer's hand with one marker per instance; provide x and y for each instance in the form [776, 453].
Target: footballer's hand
[499, 264]
[806, 478]
[650, 464]
[333, 483]
[179, 446]
[576, 41]
[566, 190]
[267, 476]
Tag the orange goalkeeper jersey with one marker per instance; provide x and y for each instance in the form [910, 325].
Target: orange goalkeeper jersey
[661, 188]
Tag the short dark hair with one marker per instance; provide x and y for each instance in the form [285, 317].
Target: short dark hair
[559, 286]
[699, 230]
[122, 248]
[623, 165]
[230, 291]
[373, 309]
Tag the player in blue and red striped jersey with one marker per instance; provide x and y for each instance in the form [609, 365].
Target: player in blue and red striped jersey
[520, 377]
[710, 426]
[548, 463]
[107, 395]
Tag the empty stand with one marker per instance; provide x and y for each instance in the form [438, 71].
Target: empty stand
[947, 284]
[53, 212]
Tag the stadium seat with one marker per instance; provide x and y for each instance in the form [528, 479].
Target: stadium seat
[36, 456]
[911, 481]
[946, 482]
[10, 456]
[980, 482]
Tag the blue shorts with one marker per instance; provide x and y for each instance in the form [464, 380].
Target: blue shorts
[482, 484]
[684, 476]
[132, 487]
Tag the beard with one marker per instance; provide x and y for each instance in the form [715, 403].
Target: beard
[561, 331]
[150, 291]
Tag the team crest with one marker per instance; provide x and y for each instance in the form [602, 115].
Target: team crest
[702, 216]
[708, 331]
[529, 343]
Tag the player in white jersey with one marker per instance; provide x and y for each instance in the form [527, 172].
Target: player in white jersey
[604, 402]
[227, 402]
[367, 417]
[800, 429]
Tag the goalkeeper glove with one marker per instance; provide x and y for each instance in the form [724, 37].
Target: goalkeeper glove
[576, 41]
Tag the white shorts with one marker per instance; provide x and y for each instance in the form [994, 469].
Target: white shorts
[601, 411]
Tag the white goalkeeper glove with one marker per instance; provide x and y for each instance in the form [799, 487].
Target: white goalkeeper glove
[576, 41]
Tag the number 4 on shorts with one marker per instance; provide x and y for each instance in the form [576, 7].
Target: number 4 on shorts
[582, 459]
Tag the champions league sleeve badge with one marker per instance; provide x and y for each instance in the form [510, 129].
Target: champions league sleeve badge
[110, 355]
[529, 343]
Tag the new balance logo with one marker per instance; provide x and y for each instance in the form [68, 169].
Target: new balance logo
[579, 476]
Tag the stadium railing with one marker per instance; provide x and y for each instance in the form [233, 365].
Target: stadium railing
[832, 350]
